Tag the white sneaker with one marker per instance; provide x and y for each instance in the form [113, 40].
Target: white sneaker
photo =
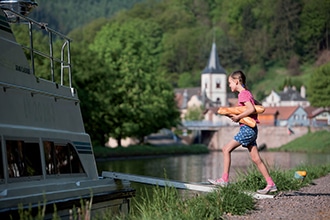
[269, 188]
[218, 182]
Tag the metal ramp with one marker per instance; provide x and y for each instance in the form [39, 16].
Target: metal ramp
[201, 187]
[159, 182]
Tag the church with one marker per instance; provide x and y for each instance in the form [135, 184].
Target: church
[211, 94]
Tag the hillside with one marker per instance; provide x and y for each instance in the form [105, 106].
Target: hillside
[66, 15]
[284, 54]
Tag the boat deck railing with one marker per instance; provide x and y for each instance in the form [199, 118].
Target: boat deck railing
[64, 60]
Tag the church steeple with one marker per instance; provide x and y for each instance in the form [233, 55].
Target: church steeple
[213, 65]
[214, 79]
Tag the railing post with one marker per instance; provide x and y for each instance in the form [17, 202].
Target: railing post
[51, 58]
[69, 63]
[31, 46]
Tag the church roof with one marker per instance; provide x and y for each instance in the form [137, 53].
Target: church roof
[213, 65]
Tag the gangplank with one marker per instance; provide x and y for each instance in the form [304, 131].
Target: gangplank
[201, 187]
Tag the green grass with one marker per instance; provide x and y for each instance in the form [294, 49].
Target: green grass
[316, 142]
[168, 204]
[148, 150]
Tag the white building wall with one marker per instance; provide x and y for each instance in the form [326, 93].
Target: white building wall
[215, 87]
[272, 100]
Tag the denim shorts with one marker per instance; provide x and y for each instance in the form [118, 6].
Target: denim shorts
[247, 136]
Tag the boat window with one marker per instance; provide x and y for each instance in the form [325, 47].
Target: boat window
[23, 158]
[61, 159]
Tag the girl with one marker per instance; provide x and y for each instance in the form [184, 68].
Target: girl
[246, 136]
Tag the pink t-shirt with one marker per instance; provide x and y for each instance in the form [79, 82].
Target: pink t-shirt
[246, 96]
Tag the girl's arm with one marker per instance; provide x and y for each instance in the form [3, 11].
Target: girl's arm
[250, 109]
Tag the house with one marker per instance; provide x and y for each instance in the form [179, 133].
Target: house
[318, 117]
[288, 97]
[183, 96]
[269, 117]
[284, 116]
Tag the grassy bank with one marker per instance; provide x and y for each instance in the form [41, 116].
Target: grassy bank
[101, 152]
[316, 142]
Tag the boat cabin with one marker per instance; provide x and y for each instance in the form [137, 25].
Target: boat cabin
[46, 156]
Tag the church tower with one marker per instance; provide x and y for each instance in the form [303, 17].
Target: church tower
[214, 80]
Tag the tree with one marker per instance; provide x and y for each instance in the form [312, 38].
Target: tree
[88, 32]
[314, 33]
[134, 100]
[194, 113]
[285, 28]
[66, 15]
[180, 54]
[319, 89]
[88, 78]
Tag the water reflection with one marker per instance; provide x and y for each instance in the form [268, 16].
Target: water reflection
[198, 168]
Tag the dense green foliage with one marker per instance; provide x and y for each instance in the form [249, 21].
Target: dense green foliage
[135, 100]
[126, 62]
[318, 142]
[251, 35]
[319, 89]
[66, 15]
[194, 114]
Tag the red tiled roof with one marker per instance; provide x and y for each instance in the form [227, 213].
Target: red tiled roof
[284, 112]
[314, 111]
[270, 111]
[310, 110]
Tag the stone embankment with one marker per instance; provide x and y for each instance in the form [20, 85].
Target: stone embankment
[271, 136]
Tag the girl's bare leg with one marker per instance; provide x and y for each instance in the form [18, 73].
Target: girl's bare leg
[271, 187]
[254, 153]
[226, 150]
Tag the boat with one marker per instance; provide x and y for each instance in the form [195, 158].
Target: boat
[47, 160]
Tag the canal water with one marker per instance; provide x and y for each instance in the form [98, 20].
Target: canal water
[198, 168]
